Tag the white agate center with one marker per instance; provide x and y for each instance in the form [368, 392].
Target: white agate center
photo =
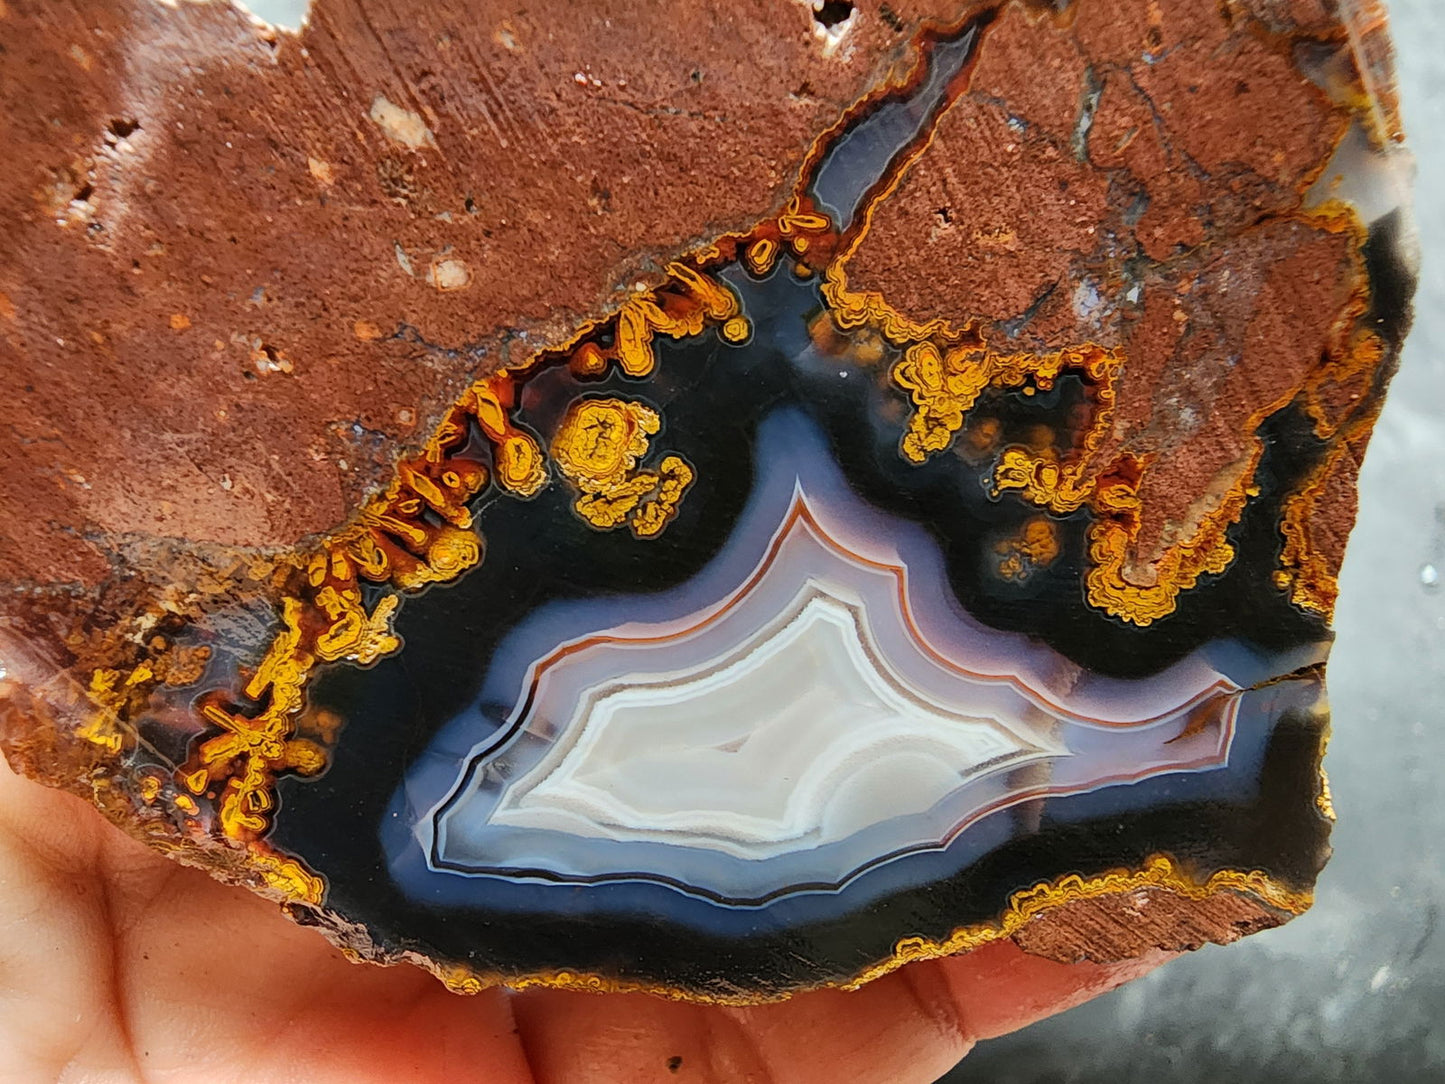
[803, 736]
[813, 704]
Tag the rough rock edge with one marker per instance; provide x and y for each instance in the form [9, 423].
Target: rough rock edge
[1111, 922]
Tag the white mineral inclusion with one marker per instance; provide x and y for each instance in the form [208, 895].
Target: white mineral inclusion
[821, 705]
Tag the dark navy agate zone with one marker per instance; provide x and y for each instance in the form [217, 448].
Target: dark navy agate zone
[1255, 810]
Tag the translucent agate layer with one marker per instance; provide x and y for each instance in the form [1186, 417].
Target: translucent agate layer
[944, 543]
[808, 707]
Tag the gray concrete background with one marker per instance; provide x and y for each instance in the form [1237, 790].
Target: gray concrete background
[1354, 991]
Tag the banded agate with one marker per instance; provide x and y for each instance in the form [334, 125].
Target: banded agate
[928, 539]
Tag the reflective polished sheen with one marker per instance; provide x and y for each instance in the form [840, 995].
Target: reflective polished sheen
[713, 501]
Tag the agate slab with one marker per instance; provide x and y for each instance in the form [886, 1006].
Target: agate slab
[921, 533]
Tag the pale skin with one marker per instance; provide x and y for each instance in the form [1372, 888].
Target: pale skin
[119, 965]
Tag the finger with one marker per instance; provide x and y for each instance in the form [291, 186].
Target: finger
[116, 963]
[55, 990]
[999, 988]
[891, 1030]
[912, 1025]
[224, 988]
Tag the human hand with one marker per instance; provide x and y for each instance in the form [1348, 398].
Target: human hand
[117, 964]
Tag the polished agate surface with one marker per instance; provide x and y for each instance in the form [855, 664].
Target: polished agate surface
[810, 705]
[904, 517]
[784, 708]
